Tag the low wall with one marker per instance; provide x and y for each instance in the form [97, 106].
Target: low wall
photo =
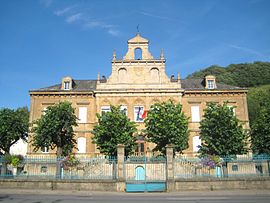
[90, 185]
[222, 184]
[177, 185]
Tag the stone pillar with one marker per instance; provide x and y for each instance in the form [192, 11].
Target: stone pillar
[170, 168]
[120, 168]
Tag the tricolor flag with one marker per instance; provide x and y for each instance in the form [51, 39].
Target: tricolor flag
[144, 114]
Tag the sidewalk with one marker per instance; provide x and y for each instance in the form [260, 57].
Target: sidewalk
[100, 193]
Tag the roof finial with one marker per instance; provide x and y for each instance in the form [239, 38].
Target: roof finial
[138, 32]
[162, 54]
[114, 55]
[98, 76]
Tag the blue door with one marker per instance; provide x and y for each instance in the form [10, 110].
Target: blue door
[139, 173]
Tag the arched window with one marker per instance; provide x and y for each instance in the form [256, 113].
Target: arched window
[122, 75]
[140, 173]
[154, 73]
[81, 145]
[138, 54]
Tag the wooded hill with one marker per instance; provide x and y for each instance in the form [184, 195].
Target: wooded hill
[241, 75]
[255, 76]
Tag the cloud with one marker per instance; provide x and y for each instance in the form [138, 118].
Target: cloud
[46, 3]
[111, 29]
[63, 11]
[73, 18]
[245, 49]
[114, 32]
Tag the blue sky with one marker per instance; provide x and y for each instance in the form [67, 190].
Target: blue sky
[43, 41]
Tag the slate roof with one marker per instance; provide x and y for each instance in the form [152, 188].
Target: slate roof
[90, 85]
[199, 84]
[78, 85]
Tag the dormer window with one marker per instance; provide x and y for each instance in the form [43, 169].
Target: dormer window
[66, 83]
[210, 82]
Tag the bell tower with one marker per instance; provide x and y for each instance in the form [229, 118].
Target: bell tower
[138, 69]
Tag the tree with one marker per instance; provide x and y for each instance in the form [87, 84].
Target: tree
[221, 132]
[260, 131]
[14, 126]
[55, 130]
[166, 124]
[257, 98]
[114, 128]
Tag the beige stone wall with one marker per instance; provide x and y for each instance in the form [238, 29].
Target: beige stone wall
[236, 98]
[41, 100]
[136, 83]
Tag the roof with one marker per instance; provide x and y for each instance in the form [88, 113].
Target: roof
[199, 84]
[138, 39]
[77, 86]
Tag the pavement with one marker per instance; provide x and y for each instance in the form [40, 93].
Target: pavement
[106, 193]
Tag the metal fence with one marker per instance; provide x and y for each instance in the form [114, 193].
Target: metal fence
[42, 167]
[215, 167]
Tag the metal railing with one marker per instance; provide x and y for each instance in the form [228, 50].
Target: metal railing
[42, 167]
[222, 167]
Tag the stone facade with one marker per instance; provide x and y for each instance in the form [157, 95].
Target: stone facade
[137, 81]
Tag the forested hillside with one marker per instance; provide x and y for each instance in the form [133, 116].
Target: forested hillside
[242, 75]
[255, 76]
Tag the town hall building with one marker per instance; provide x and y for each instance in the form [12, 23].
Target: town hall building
[137, 81]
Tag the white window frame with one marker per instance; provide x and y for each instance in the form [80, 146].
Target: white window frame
[45, 150]
[196, 141]
[195, 114]
[210, 84]
[105, 109]
[81, 144]
[82, 114]
[136, 109]
[66, 85]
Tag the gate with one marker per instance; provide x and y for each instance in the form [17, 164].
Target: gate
[145, 174]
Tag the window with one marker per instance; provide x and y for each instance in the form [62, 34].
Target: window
[81, 145]
[45, 150]
[43, 169]
[154, 75]
[210, 84]
[123, 109]
[122, 75]
[138, 54]
[138, 112]
[195, 114]
[196, 143]
[233, 108]
[82, 114]
[105, 109]
[234, 167]
[66, 85]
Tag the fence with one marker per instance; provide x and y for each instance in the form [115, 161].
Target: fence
[42, 167]
[105, 168]
[215, 167]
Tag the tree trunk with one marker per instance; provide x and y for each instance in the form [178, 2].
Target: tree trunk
[58, 162]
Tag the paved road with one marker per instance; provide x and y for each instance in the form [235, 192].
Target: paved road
[16, 196]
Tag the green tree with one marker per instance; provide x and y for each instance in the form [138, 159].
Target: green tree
[258, 97]
[166, 124]
[260, 131]
[114, 128]
[221, 132]
[55, 130]
[14, 126]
